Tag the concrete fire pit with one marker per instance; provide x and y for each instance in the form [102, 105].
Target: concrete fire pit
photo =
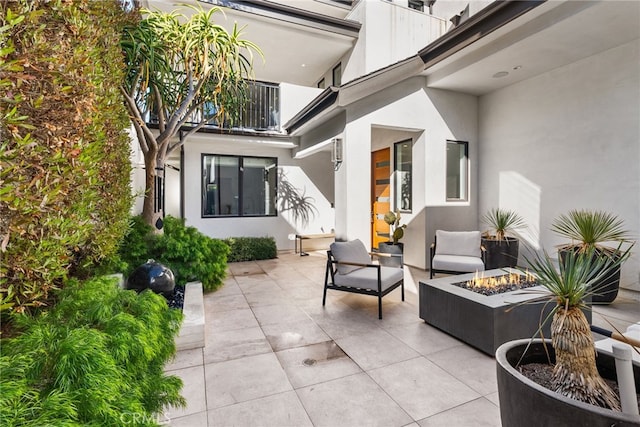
[483, 321]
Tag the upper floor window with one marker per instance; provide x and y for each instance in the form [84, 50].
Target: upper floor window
[337, 75]
[321, 84]
[402, 167]
[417, 5]
[457, 170]
[238, 186]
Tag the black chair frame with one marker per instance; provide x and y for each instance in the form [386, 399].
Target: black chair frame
[432, 252]
[331, 271]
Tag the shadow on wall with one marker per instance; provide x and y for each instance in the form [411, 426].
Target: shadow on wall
[292, 200]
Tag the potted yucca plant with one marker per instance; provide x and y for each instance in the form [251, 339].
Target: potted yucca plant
[393, 246]
[588, 231]
[500, 241]
[578, 395]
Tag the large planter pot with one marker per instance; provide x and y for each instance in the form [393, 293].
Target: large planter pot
[525, 403]
[605, 290]
[500, 253]
[391, 248]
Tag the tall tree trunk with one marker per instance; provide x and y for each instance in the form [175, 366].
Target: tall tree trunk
[575, 374]
[153, 205]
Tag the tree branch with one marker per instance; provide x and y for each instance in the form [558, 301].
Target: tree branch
[139, 124]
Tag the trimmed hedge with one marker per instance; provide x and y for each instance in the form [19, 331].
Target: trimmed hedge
[64, 151]
[95, 358]
[251, 248]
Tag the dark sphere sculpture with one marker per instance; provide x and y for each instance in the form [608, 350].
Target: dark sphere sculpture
[152, 275]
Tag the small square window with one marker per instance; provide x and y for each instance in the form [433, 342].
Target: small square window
[321, 84]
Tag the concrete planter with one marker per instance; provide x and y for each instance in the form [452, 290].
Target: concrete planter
[501, 253]
[390, 248]
[524, 403]
[192, 330]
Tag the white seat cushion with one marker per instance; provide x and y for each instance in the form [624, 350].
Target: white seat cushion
[367, 278]
[353, 251]
[466, 243]
[458, 263]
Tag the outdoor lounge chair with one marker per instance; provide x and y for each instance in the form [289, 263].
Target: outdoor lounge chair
[456, 252]
[350, 269]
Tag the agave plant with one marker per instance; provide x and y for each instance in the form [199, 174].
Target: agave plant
[502, 222]
[575, 374]
[589, 229]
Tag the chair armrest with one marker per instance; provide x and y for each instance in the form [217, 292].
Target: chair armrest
[355, 264]
[384, 254]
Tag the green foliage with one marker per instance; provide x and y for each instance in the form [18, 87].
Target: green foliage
[64, 154]
[190, 254]
[393, 219]
[502, 222]
[94, 358]
[589, 229]
[251, 248]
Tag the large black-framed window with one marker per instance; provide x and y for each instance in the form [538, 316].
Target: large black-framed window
[402, 165]
[236, 186]
[457, 170]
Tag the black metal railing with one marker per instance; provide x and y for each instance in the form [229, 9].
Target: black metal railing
[261, 111]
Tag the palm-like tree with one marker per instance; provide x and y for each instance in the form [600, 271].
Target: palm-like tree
[575, 374]
[502, 222]
[185, 70]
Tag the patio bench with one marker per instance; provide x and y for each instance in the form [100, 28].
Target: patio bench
[301, 237]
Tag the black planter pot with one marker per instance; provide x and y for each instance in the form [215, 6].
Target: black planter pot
[391, 248]
[525, 403]
[501, 253]
[605, 290]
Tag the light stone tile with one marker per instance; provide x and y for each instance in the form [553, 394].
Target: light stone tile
[423, 338]
[250, 284]
[229, 287]
[193, 390]
[244, 379]
[282, 410]
[230, 320]
[312, 293]
[375, 349]
[422, 388]
[493, 398]
[235, 344]
[472, 367]
[194, 420]
[257, 299]
[316, 363]
[244, 268]
[477, 413]
[280, 313]
[185, 359]
[225, 303]
[355, 400]
[282, 336]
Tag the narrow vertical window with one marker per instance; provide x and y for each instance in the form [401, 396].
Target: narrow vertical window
[337, 75]
[457, 170]
[321, 84]
[402, 174]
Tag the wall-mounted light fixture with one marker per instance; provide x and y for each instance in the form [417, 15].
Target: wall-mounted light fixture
[336, 153]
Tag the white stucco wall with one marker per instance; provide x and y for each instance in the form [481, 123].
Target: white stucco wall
[306, 180]
[433, 116]
[567, 139]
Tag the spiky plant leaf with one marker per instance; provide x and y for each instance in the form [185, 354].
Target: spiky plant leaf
[502, 222]
[589, 229]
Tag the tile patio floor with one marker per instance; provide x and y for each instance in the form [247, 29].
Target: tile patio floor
[275, 357]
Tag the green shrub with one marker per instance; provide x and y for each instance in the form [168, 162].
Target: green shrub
[251, 248]
[190, 254]
[64, 151]
[95, 357]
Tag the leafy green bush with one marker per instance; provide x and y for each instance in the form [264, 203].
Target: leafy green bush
[95, 358]
[65, 195]
[251, 248]
[190, 254]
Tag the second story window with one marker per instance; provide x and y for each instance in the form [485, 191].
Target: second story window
[337, 75]
[321, 84]
[457, 170]
[417, 5]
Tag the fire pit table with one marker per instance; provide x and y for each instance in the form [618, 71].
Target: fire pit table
[484, 321]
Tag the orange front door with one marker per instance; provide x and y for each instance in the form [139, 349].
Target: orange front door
[380, 195]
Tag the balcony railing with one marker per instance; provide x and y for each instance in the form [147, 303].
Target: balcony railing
[261, 111]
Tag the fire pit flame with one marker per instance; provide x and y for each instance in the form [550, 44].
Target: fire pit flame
[498, 284]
